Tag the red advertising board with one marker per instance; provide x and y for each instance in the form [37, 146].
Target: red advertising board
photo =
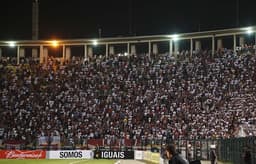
[22, 154]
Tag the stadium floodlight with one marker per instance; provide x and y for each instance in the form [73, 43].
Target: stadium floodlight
[95, 42]
[55, 43]
[175, 37]
[11, 44]
[249, 30]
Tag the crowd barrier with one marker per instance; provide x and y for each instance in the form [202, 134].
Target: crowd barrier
[80, 154]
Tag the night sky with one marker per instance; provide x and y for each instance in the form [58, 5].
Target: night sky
[83, 18]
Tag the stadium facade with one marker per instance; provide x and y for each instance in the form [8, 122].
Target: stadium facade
[40, 47]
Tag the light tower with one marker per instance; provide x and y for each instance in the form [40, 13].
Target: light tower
[35, 21]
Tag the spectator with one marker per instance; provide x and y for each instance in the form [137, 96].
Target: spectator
[173, 156]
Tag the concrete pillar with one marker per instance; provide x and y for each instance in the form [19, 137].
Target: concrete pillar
[191, 47]
[255, 42]
[111, 50]
[170, 48]
[0, 53]
[22, 53]
[149, 48]
[85, 52]
[107, 51]
[198, 45]
[176, 48]
[219, 44]
[241, 41]
[213, 46]
[63, 53]
[128, 49]
[34, 53]
[90, 52]
[67, 54]
[254, 39]
[18, 54]
[133, 49]
[155, 48]
[234, 43]
[45, 54]
[41, 54]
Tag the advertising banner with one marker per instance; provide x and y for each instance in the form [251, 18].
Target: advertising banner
[152, 157]
[138, 155]
[114, 154]
[22, 154]
[70, 154]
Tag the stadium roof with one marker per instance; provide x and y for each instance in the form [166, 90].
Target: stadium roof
[136, 39]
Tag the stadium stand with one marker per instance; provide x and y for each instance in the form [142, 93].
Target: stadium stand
[128, 99]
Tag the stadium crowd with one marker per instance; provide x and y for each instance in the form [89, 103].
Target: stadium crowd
[129, 97]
